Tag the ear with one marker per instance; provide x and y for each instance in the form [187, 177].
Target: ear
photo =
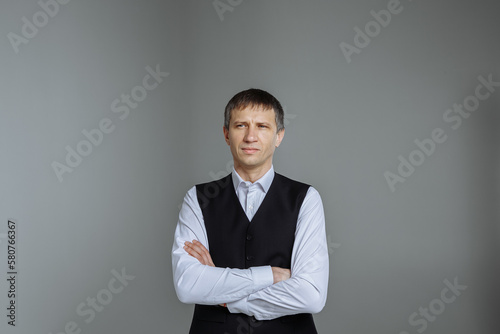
[280, 136]
[226, 134]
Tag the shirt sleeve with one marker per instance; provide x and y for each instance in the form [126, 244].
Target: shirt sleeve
[198, 283]
[305, 291]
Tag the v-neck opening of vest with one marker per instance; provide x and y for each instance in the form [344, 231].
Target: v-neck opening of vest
[261, 204]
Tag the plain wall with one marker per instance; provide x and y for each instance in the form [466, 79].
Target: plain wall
[347, 123]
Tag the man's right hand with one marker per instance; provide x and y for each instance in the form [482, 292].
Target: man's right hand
[280, 274]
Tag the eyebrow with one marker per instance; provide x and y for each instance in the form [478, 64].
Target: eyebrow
[246, 122]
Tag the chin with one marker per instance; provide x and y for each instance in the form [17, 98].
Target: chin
[249, 163]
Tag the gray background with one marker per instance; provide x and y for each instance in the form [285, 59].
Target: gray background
[346, 124]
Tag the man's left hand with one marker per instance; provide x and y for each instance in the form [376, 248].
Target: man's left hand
[198, 251]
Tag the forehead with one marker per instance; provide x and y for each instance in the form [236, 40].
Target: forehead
[255, 113]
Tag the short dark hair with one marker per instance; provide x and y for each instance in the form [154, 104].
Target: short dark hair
[254, 97]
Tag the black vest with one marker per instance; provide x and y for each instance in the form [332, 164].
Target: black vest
[235, 242]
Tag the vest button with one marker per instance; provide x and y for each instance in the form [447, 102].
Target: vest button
[250, 258]
[249, 237]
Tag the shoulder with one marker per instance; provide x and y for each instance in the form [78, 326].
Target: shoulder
[290, 182]
[190, 195]
[222, 181]
[208, 190]
[311, 194]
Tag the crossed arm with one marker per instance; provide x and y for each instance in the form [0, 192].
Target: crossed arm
[199, 252]
[264, 292]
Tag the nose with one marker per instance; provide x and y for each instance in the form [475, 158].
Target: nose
[251, 134]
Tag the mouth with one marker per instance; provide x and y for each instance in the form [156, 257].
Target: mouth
[250, 150]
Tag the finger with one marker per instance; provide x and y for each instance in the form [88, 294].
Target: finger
[205, 252]
[198, 246]
[197, 249]
[194, 253]
[201, 252]
[201, 249]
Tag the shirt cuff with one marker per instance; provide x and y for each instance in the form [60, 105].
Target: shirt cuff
[238, 306]
[262, 277]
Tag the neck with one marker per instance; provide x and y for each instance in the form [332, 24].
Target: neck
[252, 174]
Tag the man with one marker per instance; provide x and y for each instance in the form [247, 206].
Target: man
[250, 249]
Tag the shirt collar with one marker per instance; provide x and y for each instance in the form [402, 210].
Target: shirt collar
[264, 182]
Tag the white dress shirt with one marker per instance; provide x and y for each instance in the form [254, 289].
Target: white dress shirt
[251, 291]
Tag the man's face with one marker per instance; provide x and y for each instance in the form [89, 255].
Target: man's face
[252, 137]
